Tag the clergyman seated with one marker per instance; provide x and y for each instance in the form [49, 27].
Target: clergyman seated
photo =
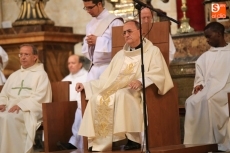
[116, 94]
[21, 103]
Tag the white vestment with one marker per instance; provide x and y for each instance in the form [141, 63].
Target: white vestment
[207, 114]
[109, 113]
[100, 55]
[27, 88]
[5, 59]
[80, 76]
[172, 49]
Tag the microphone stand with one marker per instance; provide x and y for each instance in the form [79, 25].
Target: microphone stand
[139, 6]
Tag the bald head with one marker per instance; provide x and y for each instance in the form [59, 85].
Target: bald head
[75, 63]
[146, 15]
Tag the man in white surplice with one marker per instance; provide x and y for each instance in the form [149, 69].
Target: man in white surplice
[116, 95]
[77, 74]
[21, 103]
[207, 114]
[3, 62]
[97, 44]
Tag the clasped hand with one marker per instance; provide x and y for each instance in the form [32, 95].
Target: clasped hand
[135, 84]
[13, 109]
[79, 87]
[91, 40]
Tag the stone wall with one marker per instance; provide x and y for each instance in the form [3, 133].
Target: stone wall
[190, 46]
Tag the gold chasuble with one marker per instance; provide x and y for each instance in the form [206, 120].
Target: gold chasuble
[114, 111]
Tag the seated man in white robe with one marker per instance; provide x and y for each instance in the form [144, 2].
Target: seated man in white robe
[116, 95]
[3, 62]
[21, 103]
[207, 114]
[77, 74]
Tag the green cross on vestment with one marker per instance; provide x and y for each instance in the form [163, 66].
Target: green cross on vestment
[20, 88]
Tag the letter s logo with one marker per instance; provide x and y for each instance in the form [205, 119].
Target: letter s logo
[215, 7]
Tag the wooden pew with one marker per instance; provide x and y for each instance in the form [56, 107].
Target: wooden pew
[58, 116]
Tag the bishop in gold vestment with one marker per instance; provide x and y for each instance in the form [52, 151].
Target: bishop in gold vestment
[114, 110]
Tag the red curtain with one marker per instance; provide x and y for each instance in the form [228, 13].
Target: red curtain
[195, 13]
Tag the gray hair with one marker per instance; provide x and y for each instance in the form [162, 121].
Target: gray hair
[34, 49]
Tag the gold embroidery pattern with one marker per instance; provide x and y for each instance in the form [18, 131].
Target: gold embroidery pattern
[104, 113]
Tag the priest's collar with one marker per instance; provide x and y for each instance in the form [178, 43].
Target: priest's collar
[227, 47]
[146, 45]
[35, 67]
[137, 47]
[79, 73]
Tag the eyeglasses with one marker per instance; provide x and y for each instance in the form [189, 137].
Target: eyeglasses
[26, 55]
[89, 7]
[129, 32]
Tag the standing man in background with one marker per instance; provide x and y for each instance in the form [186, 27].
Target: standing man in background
[3, 62]
[147, 17]
[97, 45]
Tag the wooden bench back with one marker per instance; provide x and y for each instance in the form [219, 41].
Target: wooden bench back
[60, 91]
[58, 116]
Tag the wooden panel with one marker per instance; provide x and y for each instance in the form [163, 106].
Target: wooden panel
[58, 118]
[117, 37]
[163, 117]
[60, 91]
[159, 32]
[83, 107]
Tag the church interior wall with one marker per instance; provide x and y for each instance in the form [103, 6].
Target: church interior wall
[71, 13]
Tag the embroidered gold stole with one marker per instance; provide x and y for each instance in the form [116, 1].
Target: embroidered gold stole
[104, 111]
